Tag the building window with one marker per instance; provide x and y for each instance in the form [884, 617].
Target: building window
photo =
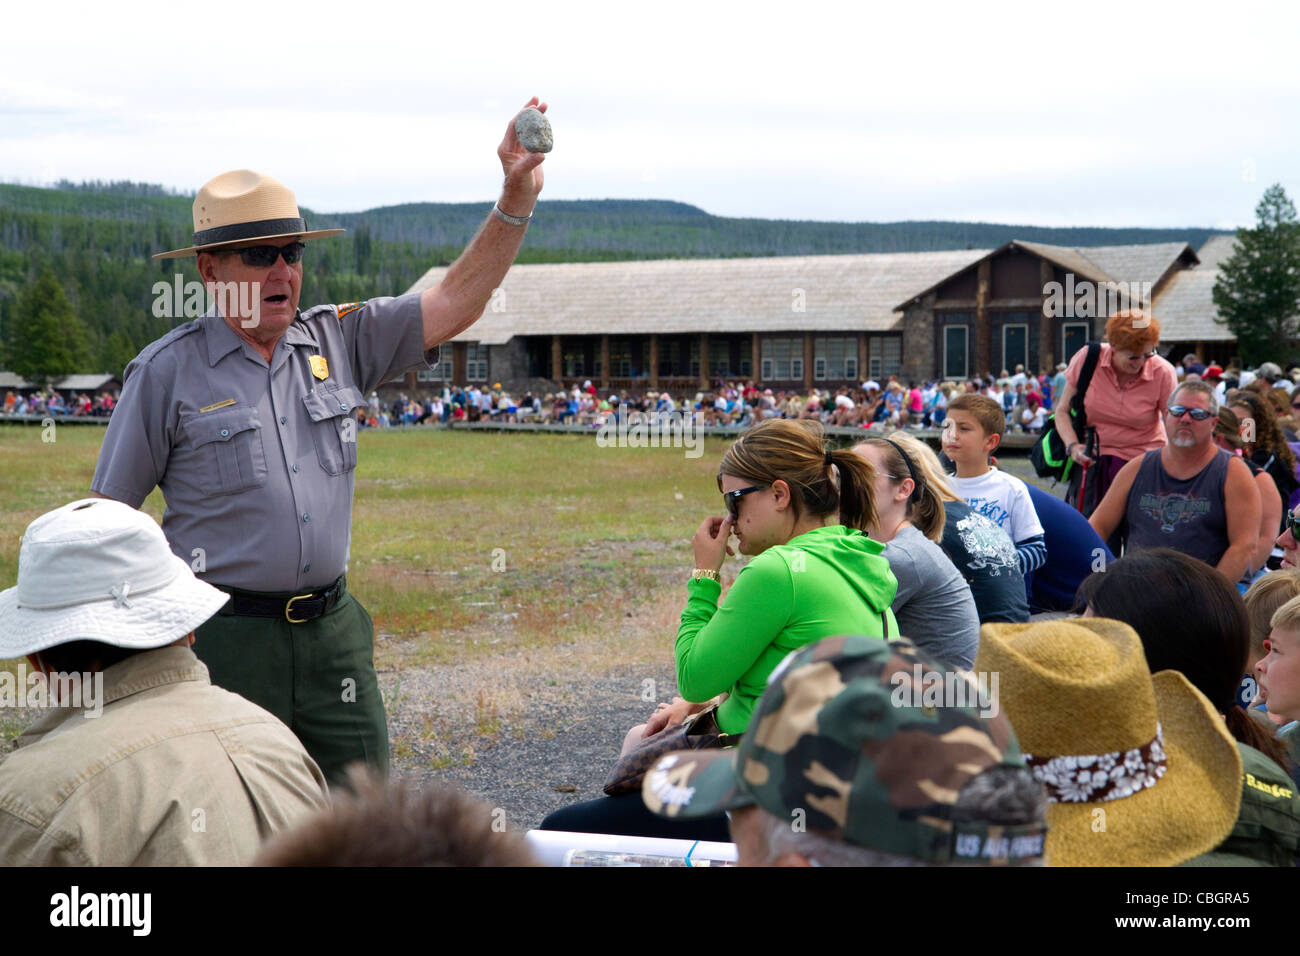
[835, 359]
[620, 357]
[1074, 336]
[1015, 346]
[574, 362]
[476, 362]
[782, 360]
[884, 357]
[441, 371]
[954, 352]
[746, 358]
[719, 359]
[670, 358]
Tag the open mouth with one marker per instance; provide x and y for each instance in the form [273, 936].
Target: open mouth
[276, 299]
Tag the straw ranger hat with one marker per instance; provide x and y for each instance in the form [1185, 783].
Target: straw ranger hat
[1139, 768]
[98, 570]
[241, 205]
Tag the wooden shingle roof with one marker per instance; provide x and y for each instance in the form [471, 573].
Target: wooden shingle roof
[1185, 307]
[843, 293]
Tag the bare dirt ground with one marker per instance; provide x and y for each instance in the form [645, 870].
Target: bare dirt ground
[532, 730]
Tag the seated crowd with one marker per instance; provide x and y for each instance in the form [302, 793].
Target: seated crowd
[51, 402]
[924, 662]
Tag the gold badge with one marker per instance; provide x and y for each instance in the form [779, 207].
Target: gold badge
[215, 405]
[319, 367]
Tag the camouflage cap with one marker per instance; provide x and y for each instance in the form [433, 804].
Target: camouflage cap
[854, 736]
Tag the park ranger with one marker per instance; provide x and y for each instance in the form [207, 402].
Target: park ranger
[245, 419]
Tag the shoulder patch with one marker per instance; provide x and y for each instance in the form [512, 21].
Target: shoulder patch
[347, 307]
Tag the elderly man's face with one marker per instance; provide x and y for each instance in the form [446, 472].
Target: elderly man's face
[265, 298]
[1182, 430]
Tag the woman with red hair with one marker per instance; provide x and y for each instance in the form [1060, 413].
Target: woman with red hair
[1124, 404]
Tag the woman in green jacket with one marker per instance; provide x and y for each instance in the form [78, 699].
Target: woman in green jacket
[810, 577]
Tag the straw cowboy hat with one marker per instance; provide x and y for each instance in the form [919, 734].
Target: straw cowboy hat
[98, 570]
[1139, 768]
[241, 205]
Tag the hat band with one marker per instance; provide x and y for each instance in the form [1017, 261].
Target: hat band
[1101, 777]
[248, 230]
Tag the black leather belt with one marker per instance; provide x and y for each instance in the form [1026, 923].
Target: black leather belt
[294, 608]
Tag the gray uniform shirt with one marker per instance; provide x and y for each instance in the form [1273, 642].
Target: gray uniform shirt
[256, 460]
[934, 605]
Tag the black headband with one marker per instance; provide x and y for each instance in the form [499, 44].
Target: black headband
[249, 230]
[907, 460]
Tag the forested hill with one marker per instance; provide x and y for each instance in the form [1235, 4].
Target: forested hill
[97, 239]
[653, 228]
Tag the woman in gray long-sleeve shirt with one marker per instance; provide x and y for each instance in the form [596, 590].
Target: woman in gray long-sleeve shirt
[934, 605]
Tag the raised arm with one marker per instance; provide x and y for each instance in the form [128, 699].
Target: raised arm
[456, 303]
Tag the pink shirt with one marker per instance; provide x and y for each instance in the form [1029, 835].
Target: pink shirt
[1129, 420]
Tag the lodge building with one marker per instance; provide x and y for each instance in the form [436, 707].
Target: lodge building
[795, 323]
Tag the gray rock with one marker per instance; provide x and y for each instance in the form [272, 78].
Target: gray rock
[534, 131]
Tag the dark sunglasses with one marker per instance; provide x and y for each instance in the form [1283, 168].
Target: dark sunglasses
[1198, 414]
[262, 257]
[732, 498]
[1292, 521]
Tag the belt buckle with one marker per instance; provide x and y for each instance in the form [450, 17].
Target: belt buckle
[289, 605]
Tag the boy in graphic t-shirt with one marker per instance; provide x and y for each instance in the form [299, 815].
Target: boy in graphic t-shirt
[971, 432]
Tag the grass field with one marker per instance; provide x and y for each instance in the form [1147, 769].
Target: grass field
[523, 537]
[465, 546]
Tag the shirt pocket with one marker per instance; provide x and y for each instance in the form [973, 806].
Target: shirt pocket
[229, 445]
[332, 409]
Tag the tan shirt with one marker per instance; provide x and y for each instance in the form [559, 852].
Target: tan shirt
[256, 459]
[173, 772]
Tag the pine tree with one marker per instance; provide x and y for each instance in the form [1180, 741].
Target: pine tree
[1258, 292]
[118, 352]
[46, 339]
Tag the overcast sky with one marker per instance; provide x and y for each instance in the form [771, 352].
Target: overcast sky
[1106, 114]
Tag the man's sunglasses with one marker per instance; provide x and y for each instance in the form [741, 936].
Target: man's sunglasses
[262, 257]
[732, 498]
[1198, 414]
[1292, 522]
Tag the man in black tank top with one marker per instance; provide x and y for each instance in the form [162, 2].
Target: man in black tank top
[1190, 495]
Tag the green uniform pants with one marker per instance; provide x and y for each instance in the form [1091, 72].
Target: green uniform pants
[318, 677]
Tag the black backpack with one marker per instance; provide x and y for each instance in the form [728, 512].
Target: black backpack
[1048, 454]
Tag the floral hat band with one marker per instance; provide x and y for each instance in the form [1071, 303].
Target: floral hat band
[1101, 777]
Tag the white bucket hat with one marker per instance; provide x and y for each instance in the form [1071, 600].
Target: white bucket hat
[98, 570]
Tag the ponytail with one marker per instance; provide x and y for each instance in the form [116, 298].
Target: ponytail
[857, 490]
